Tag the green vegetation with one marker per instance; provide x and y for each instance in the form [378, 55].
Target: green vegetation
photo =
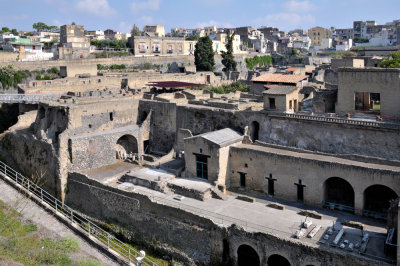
[125, 236]
[393, 61]
[228, 60]
[135, 31]
[110, 43]
[10, 77]
[233, 87]
[204, 55]
[260, 61]
[53, 70]
[7, 30]
[193, 38]
[106, 54]
[342, 54]
[360, 40]
[40, 26]
[21, 242]
[112, 67]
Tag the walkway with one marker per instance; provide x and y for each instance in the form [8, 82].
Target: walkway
[26, 98]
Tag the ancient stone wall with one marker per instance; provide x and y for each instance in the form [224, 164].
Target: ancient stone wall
[287, 168]
[187, 236]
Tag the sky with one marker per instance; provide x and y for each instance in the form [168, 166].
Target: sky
[120, 15]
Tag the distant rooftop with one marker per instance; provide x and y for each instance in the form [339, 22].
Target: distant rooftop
[279, 78]
[174, 84]
[222, 137]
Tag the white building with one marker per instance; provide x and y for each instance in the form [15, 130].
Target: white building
[344, 45]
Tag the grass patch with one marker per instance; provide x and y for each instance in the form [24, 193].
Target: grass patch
[89, 262]
[235, 86]
[377, 106]
[20, 242]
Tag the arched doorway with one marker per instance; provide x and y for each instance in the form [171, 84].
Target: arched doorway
[338, 194]
[247, 256]
[254, 130]
[126, 145]
[377, 200]
[277, 260]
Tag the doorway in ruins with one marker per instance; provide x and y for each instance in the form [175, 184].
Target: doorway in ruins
[247, 256]
[338, 194]
[277, 260]
[367, 102]
[377, 200]
[254, 130]
[127, 146]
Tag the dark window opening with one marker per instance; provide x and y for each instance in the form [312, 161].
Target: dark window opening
[366, 102]
[300, 190]
[111, 116]
[146, 145]
[272, 103]
[90, 126]
[254, 130]
[225, 251]
[242, 179]
[201, 166]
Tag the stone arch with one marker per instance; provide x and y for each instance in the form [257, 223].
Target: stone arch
[377, 199]
[277, 260]
[339, 194]
[127, 144]
[254, 130]
[247, 256]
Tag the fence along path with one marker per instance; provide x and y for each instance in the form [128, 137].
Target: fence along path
[27, 98]
[108, 241]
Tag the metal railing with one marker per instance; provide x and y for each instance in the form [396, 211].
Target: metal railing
[123, 251]
[26, 98]
[374, 214]
[340, 120]
[337, 206]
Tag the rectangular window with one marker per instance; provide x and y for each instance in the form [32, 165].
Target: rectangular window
[201, 166]
[272, 103]
[242, 179]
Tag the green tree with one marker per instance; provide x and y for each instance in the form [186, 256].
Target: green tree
[135, 31]
[393, 61]
[228, 60]
[193, 38]
[40, 26]
[5, 30]
[204, 55]
[14, 32]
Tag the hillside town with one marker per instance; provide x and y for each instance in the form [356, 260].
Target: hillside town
[206, 145]
[74, 41]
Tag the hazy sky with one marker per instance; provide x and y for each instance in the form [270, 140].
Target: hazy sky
[122, 14]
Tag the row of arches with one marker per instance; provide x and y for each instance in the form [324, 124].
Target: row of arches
[377, 198]
[247, 256]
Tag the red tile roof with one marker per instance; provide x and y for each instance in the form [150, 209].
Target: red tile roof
[291, 69]
[174, 84]
[279, 78]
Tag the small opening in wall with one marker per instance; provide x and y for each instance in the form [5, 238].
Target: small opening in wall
[111, 116]
[245, 165]
[90, 126]
[201, 150]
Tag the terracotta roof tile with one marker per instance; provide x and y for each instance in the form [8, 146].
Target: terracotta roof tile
[279, 78]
